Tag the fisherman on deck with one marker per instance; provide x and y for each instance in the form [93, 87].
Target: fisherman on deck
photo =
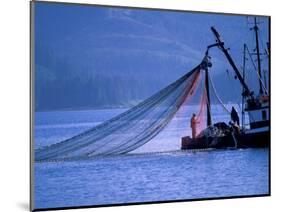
[193, 123]
[234, 116]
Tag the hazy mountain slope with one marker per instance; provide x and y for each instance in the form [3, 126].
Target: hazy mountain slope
[97, 57]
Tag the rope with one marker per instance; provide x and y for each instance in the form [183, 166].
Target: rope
[234, 89]
[234, 139]
[216, 94]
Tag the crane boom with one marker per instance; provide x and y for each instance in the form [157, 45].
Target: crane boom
[220, 44]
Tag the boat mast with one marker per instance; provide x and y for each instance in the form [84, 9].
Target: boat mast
[258, 54]
[243, 90]
[209, 118]
[204, 65]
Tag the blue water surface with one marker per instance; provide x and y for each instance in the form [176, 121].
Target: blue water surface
[143, 175]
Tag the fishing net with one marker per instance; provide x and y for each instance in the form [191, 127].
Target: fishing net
[131, 129]
[202, 114]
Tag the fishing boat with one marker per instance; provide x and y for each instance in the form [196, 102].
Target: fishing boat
[143, 122]
[222, 135]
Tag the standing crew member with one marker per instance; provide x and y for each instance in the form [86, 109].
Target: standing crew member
[234, 116]
[193, 123]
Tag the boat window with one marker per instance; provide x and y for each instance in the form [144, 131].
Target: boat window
[264, 115]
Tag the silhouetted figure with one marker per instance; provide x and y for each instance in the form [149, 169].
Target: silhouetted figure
[234, 116]
[193, 123]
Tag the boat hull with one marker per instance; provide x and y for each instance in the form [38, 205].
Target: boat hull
[243, 140]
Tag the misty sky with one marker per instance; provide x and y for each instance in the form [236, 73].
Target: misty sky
[154, 47]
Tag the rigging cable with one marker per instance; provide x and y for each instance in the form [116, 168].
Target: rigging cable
[216, 94]
[255, 67]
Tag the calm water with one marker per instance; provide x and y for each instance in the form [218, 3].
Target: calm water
[143, 176]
